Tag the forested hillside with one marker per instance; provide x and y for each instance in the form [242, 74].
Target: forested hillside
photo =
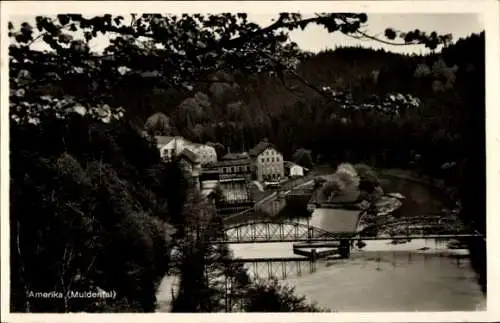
[93, 206]
[238, 111]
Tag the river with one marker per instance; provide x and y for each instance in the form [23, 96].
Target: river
[421, 275]
[384, 277]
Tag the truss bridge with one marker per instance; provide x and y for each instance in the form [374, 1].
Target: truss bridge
[268, 231]
[274, 231]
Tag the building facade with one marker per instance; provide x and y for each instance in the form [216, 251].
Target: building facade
[294, 170]
[206, 154]
[267, 162]
[170, 147]
[234, 172]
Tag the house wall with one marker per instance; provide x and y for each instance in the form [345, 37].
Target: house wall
[269, 165]
[166, 151]
[174, 147]
[235, 191]
[206, 154]
[234, 170]
[296, 170]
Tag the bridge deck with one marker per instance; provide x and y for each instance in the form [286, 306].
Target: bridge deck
[355, 238]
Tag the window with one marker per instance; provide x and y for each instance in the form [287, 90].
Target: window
[278, 158]
[267, 159]
[272, 159]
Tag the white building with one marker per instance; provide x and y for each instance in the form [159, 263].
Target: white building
[294, 170]
[171, 146]
[267, 162]
[206, 154]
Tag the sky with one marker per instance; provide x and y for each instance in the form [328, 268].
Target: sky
[315, 38]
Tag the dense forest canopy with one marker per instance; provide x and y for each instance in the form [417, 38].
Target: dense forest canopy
[91, 197]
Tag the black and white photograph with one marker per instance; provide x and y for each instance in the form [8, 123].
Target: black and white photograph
[227, 160]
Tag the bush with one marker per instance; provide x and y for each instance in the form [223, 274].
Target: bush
[270, 296]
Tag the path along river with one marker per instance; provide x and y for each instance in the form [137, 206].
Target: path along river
[422, 275]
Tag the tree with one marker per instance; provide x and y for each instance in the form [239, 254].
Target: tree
[82, 171]
[219, 149]
[303, 158]
[80, 196]
[368, 179]
[158, 124]
[270, 296]
[204, 267]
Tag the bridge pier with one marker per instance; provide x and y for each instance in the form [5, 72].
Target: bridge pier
[345, 249]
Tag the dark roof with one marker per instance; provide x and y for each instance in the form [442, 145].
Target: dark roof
[232, 162]
[233, 156]
[261, 146]
[290, 164]
[189, 155]
[341, 221]
[210, 169]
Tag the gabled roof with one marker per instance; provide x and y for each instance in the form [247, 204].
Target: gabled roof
[234, 156]
[206, 192]
[189, 155]
[194, 144]
[260, 147]
[163, 140]
[289, 164]
[233, 162]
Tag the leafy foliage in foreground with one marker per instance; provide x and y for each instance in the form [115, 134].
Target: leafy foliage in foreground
[88, 213]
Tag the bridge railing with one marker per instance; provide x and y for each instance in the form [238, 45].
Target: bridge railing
[290, 231]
